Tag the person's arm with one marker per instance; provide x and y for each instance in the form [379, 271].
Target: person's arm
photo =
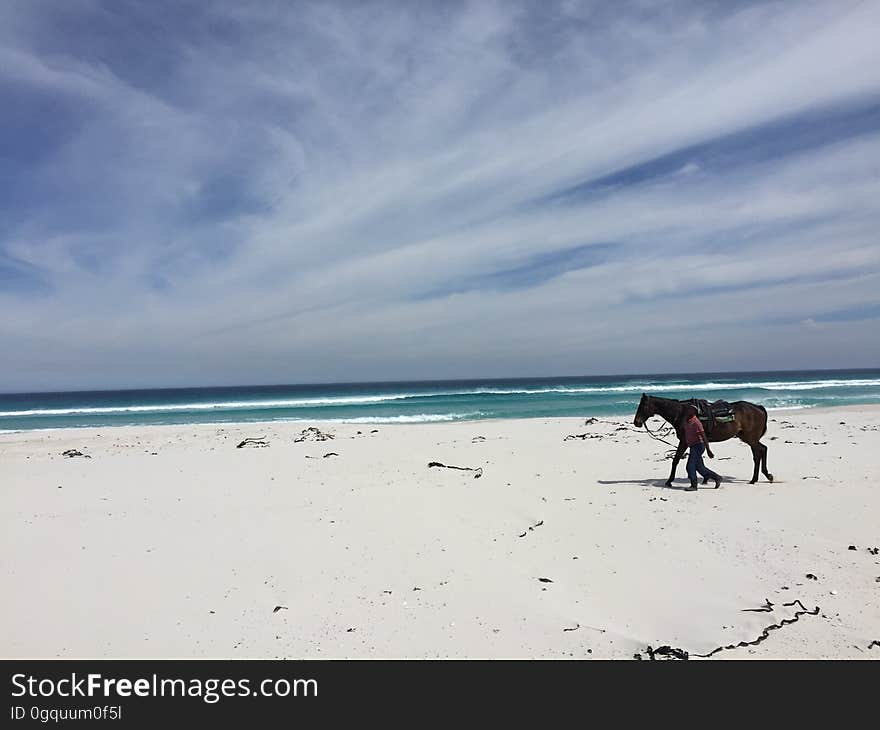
[706, 441]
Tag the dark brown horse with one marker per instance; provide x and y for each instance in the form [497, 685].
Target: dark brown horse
[749, 425]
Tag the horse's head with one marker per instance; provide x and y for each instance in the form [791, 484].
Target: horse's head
[644, 412]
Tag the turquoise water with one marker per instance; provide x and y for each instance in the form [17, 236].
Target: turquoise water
[415, 402]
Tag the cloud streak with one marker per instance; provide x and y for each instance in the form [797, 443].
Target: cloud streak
[251, 193]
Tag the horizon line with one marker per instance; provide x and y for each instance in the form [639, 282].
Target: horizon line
[4, 393]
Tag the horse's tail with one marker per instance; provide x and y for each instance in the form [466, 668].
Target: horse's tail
[764, 430]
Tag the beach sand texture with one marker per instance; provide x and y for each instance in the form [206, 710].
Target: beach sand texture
[171, 542]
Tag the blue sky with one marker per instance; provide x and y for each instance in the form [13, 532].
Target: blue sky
[228, 192]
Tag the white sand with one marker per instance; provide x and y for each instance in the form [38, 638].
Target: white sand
[186, 553]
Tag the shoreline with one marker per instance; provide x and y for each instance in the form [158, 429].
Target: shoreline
[171, 542]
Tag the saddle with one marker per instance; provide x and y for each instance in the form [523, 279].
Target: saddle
[711, 413]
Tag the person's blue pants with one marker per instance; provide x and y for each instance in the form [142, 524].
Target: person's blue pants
[695, 464]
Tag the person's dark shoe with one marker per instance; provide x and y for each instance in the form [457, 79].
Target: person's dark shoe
[691, 488]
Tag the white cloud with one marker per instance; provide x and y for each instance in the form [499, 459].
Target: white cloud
[278, 203]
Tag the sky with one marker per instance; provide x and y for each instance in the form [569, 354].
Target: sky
[197, 193]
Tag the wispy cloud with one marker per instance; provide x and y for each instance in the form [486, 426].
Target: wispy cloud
[259, 192]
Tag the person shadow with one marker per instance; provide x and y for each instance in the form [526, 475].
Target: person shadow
[678, 484]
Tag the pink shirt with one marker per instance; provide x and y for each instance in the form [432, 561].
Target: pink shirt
[693, 432]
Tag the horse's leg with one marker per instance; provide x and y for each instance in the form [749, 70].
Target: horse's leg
[675, 459]
[756, 455]
[764, 462]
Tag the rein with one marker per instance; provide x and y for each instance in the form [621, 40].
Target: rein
[660, 430]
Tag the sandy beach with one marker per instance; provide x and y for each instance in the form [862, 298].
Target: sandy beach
[169, 541]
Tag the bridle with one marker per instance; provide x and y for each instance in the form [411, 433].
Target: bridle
[660, 432]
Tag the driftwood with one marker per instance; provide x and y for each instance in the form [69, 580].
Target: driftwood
[258, 442]
[478, 469]
[314, 434]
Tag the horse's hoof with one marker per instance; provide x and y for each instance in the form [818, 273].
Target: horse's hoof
[770, 478]
[668, 484]
[753, 481]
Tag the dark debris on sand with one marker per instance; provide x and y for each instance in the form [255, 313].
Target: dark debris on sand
[668, 652]
[313, 434]
[70, 453]
[537, 524]
[583, 436]
[478, 470]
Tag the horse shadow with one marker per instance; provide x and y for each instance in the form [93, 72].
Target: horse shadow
[678, 484]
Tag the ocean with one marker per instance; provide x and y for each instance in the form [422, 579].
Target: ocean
[427, 401]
